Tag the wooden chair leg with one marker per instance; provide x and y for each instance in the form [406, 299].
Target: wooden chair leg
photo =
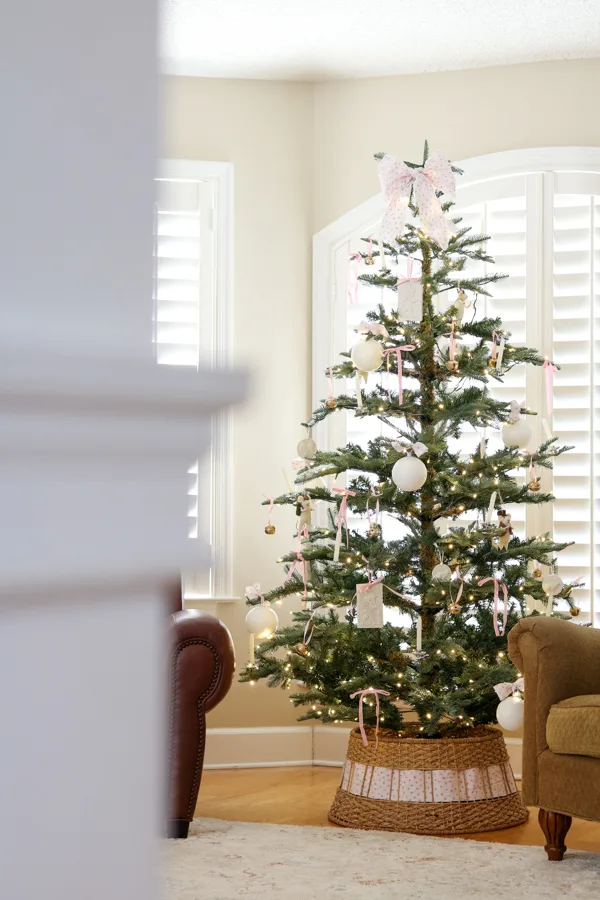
[555, 827]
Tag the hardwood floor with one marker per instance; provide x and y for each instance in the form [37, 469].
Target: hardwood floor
[302, 795]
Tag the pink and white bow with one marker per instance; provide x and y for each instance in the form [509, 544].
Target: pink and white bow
[363, 695]
[253, 592]
[549, 369]
[372, 328]
[418, 448]
[399, 351]
[497, 585]
[397, 180]
[505, 688]
[342, 519]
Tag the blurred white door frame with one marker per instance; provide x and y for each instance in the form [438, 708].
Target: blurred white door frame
[95, 442]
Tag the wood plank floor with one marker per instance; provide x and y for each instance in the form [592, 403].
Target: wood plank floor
[301, 795]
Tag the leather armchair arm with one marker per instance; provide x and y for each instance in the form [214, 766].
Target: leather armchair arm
[201, 669]
[558, 660]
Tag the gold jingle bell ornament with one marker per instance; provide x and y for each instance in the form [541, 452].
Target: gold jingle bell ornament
[537, 573]
[454, 608]
[575, 610]
[534, 486]
[269, 529]
[302, 649]
[331, 402]
[374, 530]
[452, 365]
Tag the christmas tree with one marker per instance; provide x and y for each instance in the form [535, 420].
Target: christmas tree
[459, 589]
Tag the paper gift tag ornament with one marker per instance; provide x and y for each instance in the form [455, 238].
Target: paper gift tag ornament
[410, 295]
[369, 605]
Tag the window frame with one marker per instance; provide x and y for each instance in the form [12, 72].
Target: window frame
[220, 177]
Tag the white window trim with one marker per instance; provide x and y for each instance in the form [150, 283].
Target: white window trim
[220, 175]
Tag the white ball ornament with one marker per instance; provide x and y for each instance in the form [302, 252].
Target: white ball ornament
[517, 434]
[262, 620]
[367, 355]
[510, 713]
[441, 572]
[552, 584]
[307, 448]
[409, 473]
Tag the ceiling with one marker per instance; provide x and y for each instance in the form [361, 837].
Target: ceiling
[312, 40]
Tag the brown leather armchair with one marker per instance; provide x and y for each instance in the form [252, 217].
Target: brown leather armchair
[201, 668]
[560, 662]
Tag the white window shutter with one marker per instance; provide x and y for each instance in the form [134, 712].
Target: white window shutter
[575, 347]
[192, 287]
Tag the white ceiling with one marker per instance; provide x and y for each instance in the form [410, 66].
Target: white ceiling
[324, 39]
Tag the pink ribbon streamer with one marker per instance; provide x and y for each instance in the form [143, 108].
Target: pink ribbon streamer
[370, 249]
[497, 585]
[343, 510]
[409, 275]
[398, 351]
[549, 369]
[352, 277]
[362, 695]
[299, 560]
[271, 501]
[361, 588]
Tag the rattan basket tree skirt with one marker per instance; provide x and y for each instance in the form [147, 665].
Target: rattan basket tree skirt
[451, 785]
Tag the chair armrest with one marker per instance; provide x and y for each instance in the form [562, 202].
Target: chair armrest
[202, 656]
[201, 669]
[558, 659]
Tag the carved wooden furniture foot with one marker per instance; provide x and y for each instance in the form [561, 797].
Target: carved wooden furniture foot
[555, 827]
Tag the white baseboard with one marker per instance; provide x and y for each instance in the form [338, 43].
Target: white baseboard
[274, 764]
[295, 745]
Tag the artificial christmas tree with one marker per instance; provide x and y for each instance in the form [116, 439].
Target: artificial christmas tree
[422, 686]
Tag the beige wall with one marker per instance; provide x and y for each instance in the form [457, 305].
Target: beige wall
[303, 156]
[465, 113]
[265, 130]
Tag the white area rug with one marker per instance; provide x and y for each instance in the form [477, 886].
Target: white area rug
[227, 860]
